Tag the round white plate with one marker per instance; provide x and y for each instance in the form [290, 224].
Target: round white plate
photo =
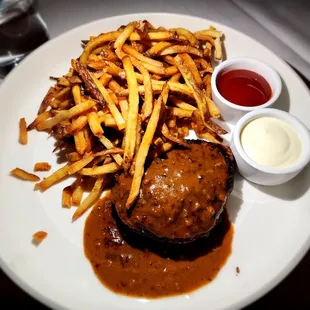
[272, 230]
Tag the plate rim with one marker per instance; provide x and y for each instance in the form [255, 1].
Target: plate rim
[249, 299]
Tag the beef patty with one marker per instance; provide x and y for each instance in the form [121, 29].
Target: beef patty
[181, 195]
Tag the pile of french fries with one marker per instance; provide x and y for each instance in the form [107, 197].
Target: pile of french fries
[132, 95]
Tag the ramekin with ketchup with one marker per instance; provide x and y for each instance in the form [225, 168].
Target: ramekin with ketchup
[270, 146]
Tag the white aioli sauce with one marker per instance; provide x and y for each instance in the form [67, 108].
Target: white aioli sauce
[271, 142]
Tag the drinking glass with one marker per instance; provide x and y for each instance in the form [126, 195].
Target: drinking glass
[21, 31]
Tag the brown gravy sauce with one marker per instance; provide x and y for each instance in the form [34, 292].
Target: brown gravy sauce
[134, 265]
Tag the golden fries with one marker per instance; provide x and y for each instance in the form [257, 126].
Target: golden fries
[90, 199]
[66, 197]
[105, 169]
[148, 92]
[39, 236]
[131, 126]
[78, 190]
[23, 135]
[66, 114]
[52, 179]
[42, 166]
[144, 148]
[132, 95]
[94, 124]
[24, 175]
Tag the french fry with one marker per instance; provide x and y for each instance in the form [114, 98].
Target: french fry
[78, 191]
[52, 179]
[144, 149]
[154, 69]
[80, 164]
[109, 145]
[89, 82]
[215, 127]
[213, 109]
[114, 86]
[94, 124]
[66, 114]
[105, 78]
[80, 142]
[166, 133]
[132, 52]
[203, 66]
[105, 169]
[120, 122]
[78, 124]
[40, 118]
[73, 156]
[155, 36]
[206, 81]
[66, 197]
[202, 131]
[118, 44]
[171, 70]
[47, 100]
[90, 199]
[92, 44]
[158, 86]
[157, 48]
[187, 34]
[180, 113]
[202, 34]
[42, 166]
[177, 49]
[115, 70]
[175, 78]
[108, 120]
[190, 82]
[148, 92]
[179, 103]
[63, 104]
[123, 104]
[188, 61]
[218, 48]
[24, 175]
[23, 135]
[131, 126]
[39, 236]
[88, 139]
[158, 141]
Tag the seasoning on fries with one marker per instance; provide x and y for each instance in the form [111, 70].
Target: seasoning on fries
[131, 96]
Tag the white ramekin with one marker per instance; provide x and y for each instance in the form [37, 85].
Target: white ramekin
[231, 112]
[259, 174]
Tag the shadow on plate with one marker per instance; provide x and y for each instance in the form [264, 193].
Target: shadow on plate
[291, 190]
[235, 200]
[283, 102]
[305, 80]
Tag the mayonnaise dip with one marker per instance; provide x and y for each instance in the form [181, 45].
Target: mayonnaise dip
[271, 142]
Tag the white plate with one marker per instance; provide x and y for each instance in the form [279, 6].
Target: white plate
[272, 230]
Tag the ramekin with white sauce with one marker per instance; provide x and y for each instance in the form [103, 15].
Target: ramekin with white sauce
[270, 146]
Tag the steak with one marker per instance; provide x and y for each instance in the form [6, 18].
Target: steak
[182, 195]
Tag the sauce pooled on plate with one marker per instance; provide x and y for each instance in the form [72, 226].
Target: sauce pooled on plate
[135, 265]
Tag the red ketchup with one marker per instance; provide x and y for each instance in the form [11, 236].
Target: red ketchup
[244, 87]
